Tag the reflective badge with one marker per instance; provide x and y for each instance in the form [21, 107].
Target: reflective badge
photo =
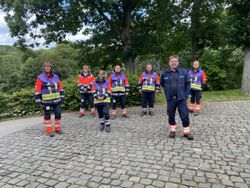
[114, 101]
[82, 100]
[47, 107]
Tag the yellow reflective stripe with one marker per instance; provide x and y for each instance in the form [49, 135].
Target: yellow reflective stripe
[96, 101]
[151, 81]
[49, 88]
[115, 89]
[56, 86]
[50, 96]
[149, 88]
[196, 86]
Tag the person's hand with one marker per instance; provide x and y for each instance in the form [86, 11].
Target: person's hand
[126, 94]
[39, 104]
[157, 91]
[140, 91]
[62, 99]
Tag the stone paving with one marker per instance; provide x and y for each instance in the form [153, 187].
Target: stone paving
[137, 153]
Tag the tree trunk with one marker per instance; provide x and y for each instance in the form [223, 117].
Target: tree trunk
[195, 22]
[245, 87]
[126, 39]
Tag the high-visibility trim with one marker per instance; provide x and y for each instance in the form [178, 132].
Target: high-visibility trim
[113, 112]
[102, 120]
[124, 111]
[49, 129]
[198, 106]
[51, 96]
[196, 86]
[38, 100]
[97, 101]
[172, 128]
[148, 88]
[186, 130]
[191, 106]
[118, 89]
[47, 121]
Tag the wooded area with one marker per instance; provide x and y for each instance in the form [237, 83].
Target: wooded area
[129, 32]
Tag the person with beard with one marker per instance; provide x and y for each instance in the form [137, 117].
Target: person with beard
[198, 78]
[176, 84]
[148, 85]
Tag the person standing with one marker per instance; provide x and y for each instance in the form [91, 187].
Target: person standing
[197, 77]
[176, 84]
[49, 94]
[102, 91]
[85, 81]
[148, 84]
[119, 85]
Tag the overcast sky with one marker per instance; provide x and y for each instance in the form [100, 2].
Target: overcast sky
[6, 39]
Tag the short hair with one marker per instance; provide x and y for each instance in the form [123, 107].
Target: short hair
[47, 64]
[173, 57]
[118, 65]
[85, 66]
[101, 72]
[196, 60]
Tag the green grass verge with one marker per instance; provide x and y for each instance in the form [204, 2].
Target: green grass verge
[234, 94]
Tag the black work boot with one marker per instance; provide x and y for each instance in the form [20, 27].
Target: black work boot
[143, 113]
[108, 128]
[151, 113]
[189, 136]
[172, 135]
[51, 134]
[102, 126]
[59, 132]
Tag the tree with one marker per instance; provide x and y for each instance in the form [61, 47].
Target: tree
[104, 18]
[239, 27]
[11, 61]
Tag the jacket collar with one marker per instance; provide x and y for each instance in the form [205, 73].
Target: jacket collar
[169, 70]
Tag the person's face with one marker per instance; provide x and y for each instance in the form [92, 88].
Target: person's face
[101, 75]
[196, 64]
[173, 63]
[47, 68]
[117, 69]
[149, 68]
[85, 69]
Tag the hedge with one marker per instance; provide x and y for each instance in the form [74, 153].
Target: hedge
[21, 103]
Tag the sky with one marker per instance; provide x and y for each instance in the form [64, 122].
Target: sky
[6, 39]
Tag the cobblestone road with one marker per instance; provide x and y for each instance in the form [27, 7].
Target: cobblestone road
[138, 152]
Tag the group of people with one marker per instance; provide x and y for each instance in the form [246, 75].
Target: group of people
[177, 83]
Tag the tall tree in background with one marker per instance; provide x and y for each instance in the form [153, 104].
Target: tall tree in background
[239, 27]
[105, 18]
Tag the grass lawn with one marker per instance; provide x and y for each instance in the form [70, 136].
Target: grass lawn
[213, 96]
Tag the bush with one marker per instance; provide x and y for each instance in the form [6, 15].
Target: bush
[134, 97]
[223, 68]
[20, 103]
